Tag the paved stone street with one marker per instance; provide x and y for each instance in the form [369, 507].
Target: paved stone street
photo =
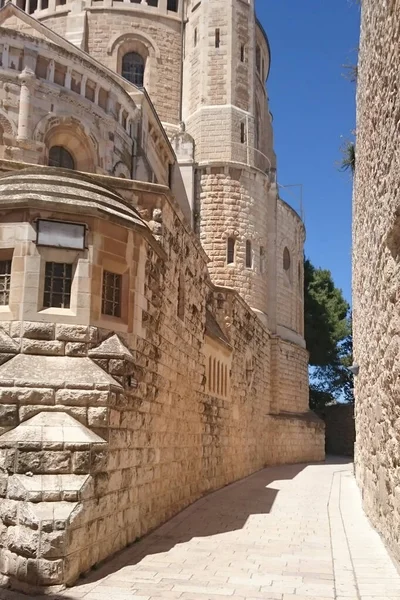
[287, 533]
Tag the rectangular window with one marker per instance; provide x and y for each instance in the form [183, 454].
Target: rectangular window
[195, 37]
[111, 299]
[242, 53]
[249, 256]
[57, 285]
[242, 133]
[172, 5]
[5, 282]
[217, 38]
[230, 251]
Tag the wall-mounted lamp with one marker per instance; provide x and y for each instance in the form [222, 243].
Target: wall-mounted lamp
[355, 369]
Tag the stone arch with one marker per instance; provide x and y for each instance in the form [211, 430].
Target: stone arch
[142, 38]
[138, 43]
[121, 170]
[71, 134]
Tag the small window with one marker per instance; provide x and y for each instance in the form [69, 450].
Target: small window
[181, 298]
[170, 174]
[195, 37]
[111, 298]
[133, 68]
[60, 157]
[5, 282]
[242, 133]
[258, 59]
[217, 38]
[286, 259]
[172, 5]
[242, 53]
[262, 260]
[230, 251]
[57, 285]
[249, 255]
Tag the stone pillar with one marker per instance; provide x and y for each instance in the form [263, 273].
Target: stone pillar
[68, 76]
[28, 80]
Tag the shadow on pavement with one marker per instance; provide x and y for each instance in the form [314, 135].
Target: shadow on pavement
[219, 512]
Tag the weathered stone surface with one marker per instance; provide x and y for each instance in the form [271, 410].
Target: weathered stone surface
[75, 349]
[376, 269]
[8, 415]
[72, 333]
[80, 397]
[111, 348]
[7, 344]
[98, 417]
[23, 541]
[38, 331]
[25, 395]
[47, 348]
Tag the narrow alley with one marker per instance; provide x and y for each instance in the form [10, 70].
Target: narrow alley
[286, 533]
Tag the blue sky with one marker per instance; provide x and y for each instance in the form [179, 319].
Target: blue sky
[313, 106]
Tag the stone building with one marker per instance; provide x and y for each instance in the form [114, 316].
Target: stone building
[376, 268]
[151, 283]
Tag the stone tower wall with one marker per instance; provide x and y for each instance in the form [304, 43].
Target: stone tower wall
[376, 268]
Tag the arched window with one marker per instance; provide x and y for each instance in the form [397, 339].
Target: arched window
[133, 68]
[286, 259]
[60, 157]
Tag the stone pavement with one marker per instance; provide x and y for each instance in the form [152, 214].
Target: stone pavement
[286, 533]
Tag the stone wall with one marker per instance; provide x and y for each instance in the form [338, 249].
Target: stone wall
[109, 427]
[376, 268]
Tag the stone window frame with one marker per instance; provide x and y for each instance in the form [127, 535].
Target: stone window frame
[59, 255]
[111, 282]
[117, 267]
[6, 256]
[137, 46]
[51, 277]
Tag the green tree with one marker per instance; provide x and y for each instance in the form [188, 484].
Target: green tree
[328, 337]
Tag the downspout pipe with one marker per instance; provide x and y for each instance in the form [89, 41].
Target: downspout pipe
[182, 58]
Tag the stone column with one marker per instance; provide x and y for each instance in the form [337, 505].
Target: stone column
[28, 80]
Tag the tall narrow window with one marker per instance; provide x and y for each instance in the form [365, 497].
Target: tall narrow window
[217, 38]
[57, 285]
[172, 5]
[249, 255]
[133, 68]
[242, 53]
[262, 260]
[181, 298]
[286, 259]
[5, 282]
[111, 298]
[230, 251]
[242, 133]
[60, 157]
[195, 37]
[258, 59]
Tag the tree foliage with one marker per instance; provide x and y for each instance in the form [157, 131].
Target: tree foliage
[328, 337]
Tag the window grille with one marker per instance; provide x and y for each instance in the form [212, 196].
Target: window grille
[5, 282]
[133, 68]
[112, 284]
[60, 157]
[57, 285]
